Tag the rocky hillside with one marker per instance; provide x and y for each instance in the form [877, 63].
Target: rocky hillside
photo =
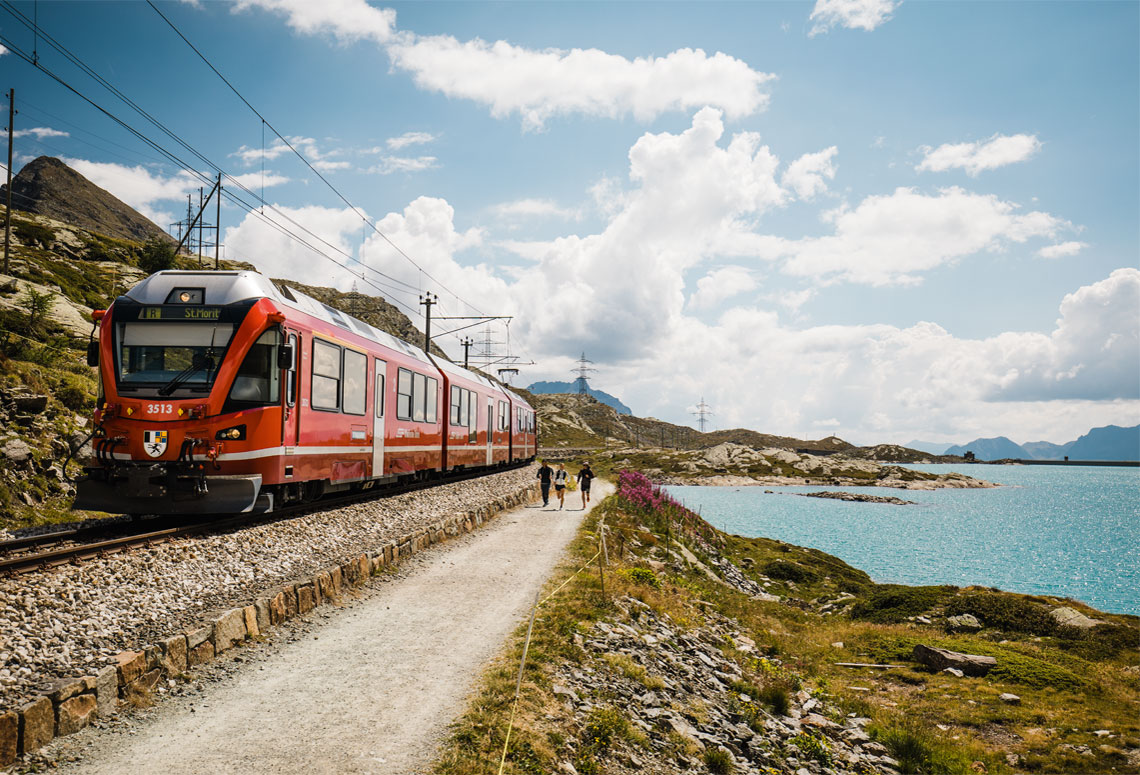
[574, 423]
[48, 187]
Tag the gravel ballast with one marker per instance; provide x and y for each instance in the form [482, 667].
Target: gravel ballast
[71, 620]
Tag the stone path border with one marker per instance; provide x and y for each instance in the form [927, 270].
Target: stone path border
[69, 705]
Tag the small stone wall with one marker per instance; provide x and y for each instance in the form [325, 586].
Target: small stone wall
[69, 705]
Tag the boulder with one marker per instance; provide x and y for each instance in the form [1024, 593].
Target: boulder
[16, 451]
[963, 623]
[27, 403]
[940, 659]
[1011, 699]
[1070, 617]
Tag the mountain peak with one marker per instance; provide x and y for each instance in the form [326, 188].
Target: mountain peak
[47, 186]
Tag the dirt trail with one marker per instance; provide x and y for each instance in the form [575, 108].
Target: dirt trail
[370, 688]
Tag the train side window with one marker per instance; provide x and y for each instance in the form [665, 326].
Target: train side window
[504, 416]
[431, 399]
[355, 382]
[456, 404]
[404, 394]
[326, 376]
[291, 374]
[258, 380]
[473, 406]
[379, 395]
[419, 390]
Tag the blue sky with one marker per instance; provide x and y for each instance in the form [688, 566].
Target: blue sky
[885, 220]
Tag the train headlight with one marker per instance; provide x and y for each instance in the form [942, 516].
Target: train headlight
[236, 433]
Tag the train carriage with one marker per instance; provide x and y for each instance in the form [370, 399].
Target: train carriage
[221, 393]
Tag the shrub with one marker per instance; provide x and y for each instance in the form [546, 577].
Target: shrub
[1104, 641]
[33, 234]
[75, 394]
[718, 760]
[37, 305]
[920, 752]
[157, 254]
[776, 698]
[894, 602]
[604, 725]
[1012, 613]
[813, 747]
[787, 571]
[1028, 671]
[642, 576]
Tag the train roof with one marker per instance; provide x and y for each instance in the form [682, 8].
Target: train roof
[227, 287]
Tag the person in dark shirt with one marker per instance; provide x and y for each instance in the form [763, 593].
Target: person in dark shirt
[585, 476]
[544, 475]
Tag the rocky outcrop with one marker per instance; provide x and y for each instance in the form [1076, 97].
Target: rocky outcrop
[853, 497]
[49, 187]
[679, 689]
[941, 659]
[1070, 617]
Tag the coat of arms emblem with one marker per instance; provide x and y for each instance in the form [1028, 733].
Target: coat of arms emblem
[155, 442]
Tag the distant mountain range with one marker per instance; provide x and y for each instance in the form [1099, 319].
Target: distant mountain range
[1110, 442]
[929, 447]
[570, 387]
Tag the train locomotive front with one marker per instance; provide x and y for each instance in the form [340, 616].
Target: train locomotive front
[188, 363]
[221, 393]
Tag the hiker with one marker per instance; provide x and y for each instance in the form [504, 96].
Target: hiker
[585, 476]
[560, 477]
[544, 475]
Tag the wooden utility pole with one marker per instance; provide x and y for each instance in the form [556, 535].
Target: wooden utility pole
[8, 212]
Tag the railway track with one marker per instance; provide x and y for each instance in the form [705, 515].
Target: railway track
[19, 556]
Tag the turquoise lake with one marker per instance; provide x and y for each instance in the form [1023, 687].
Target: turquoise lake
[1067, 531]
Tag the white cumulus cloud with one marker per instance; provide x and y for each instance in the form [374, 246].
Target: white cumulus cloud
[40, 132]
[392, 164]
[891, 239]
[808, 175]
[346, 20]
[540, 84]
[852, 14]
[1063, 249]
[975, 158]
[721, 284]
[411, 138]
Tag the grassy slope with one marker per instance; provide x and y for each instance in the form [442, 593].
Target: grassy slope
[1069, 686]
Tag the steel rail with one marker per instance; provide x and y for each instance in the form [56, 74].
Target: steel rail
[29, 563]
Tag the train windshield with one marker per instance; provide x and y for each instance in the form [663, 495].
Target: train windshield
[163, 357]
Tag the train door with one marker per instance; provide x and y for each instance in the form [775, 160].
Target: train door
[490, 430]
[510, 437]
[292, 415]
[380, 368]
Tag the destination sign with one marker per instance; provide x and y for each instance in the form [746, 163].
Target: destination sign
[180, 313]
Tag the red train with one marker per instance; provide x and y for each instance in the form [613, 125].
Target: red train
[221, 392]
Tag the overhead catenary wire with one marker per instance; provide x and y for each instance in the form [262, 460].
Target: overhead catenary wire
[386, 288]
[265, 123]
[175, 159]
[163, 128]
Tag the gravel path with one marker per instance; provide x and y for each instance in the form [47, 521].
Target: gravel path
[367, 688]
[70, 621]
